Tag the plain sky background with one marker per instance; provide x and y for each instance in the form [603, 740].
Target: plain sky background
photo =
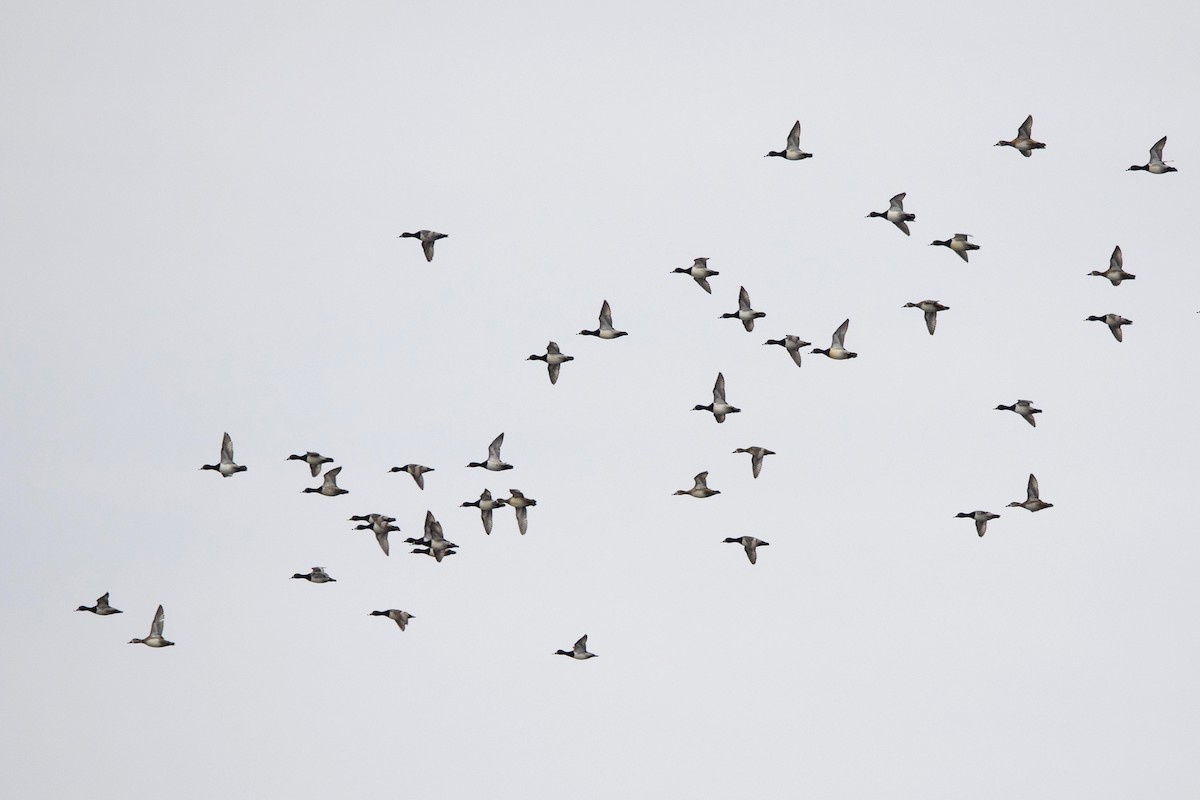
[200, 204]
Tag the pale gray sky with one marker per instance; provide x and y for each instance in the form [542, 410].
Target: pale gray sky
[201, 204]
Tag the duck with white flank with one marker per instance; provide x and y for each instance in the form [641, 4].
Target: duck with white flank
[981, 519]
[837, 348]
[718, 406]
[895, 214]
[371, 519]
[316, 575]
[756, 457]
[931, 309]
[434, 540]
[520, 504]
[578, 652]
[155, 639]
[1114, 323]
[397, 616]
[606, 330]
[226, 467]
[554, 360]
[792, 152]
[1024, 143]
[701, 489]
[745, 313]
[1032, 501]
[700, 273]
[1116, 269]
[1156, 166]
[750, 544]
[1024, 408]
[792, 344]
[328, 486]
[958, 244]
[486, 505]
[493, 462]
[102, 608]
[427, 239]
[381, 530]
[314, 461]
[416, 470]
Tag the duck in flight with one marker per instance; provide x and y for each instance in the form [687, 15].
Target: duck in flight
[520, 503]
[1032, 501]
[931, 309]
[895, 214]
[1024, 408]
[792, 344]
[745, 313]
[837, 348]
[155, 639]
[486, 505]
[397, 616]
[701, 489]
[606, 330]
[958, 244]
[1114, 323]
[579, 652]
[493, 462]
[226, 467]
[718, 406]
[1116, 269]
[417, 471]
[328, 486]
[102, 608]
[981, 519]
[554, 359]
[314, 461]
[1156, 166]
[700, 273]
[427, 239]
[381, 530]
[316, 575]
[756, 457]
[792, 152]
[750, 544]
[1024, 143]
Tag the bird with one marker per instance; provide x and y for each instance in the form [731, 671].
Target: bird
[756, 457]
[606, 330]
[792, 152]
[981, 519]
[1114, 323]
[578, 652]
[554, 360]
[434, 540]
[226, 467]
[700, 273]
[521, 504]
[401, 618]
[1024, 143]
[701, 489]
[958, 244]
[1032, 502]
[381, 530]
[427, 239]
[792, 344]
[372, 518]
[329, 486]
[486, 504]
[931, 309]
[1156, 166]
[1116, 269]
[1024, 408]
[102, 608]
[493, 462]
[745, 313]
[317, 575]
[837, 349]
[155, 639]
[718, 406]
[895, 214]
[416, 470]
[314, 461]
[750, 544]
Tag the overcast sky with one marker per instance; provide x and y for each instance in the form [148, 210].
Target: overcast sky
[201, 204]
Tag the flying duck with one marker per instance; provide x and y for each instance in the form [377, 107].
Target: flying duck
[314, 461]
[416, 470]
[958, 244]
[792, 344]
[606, 330]
[1024, 408]
[486, 504]
[155, 639]
[981, 519]
[372, 518]
[931, 309]
[381, 530]
[427, 239]
[1116, 269]
[401, 618]
[317, 575]
[1114, 323]
[718, 406]
[745, 313]
[329, 486]
[750, 544]
[895, 213]
[434, 540]
[102, 608]
[579, 652]
[226, 467]
[1032, 501]
[792, 152]
[493, 462]
[520, 504]
[701, 489]
[1156, 166]
[756, 457]
[700, 273]
[1024, 143]
[554, 360]
[837, 349]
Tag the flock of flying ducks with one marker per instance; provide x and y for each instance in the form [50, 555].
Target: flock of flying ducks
[433, 542]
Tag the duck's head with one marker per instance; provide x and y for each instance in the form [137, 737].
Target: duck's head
[409, 236]
[877, 214]
[536, 358]
[83, 608]
[299, 575]
[729, 316]
[468, 505]
[309, 489]
[680, 491]
[563, 653]
[137, 641]
[1015, 504]
[965, 514]
[684, 270]
[589, 333]
[702, 408]
[911, 305]
[775, 153]
[1004, 408]
[295, 458]
[731, 540]
[1136, 167]
[211, 466]
[1094, 319]
[819, 352]
[1002, 143]
[942, 243]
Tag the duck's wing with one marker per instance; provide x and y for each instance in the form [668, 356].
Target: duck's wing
[902, 225]
[743, 299]
[581, 645]
[552, 349]
[1157, 151]
[756, 460]
[1117, 261]
[156, 627]
[795, 354]
[793, 140]
[427, 246]
[314, 468]
[605, 317]
[1031, 491]
[331, 478]
[429, 523]
[962, 237]
[226, 449]
[719, 388]
[486, 514]
[494, 447]
[931, 321]
[703, 281]
[1026, 129]
[897, 202]
[419, 477]
[1116, 331]
[553, 369]
[382, 538]
[839, 336]
[701, 481]
[750, 545]
[981, 526]
[102, 601]
[522, 519]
